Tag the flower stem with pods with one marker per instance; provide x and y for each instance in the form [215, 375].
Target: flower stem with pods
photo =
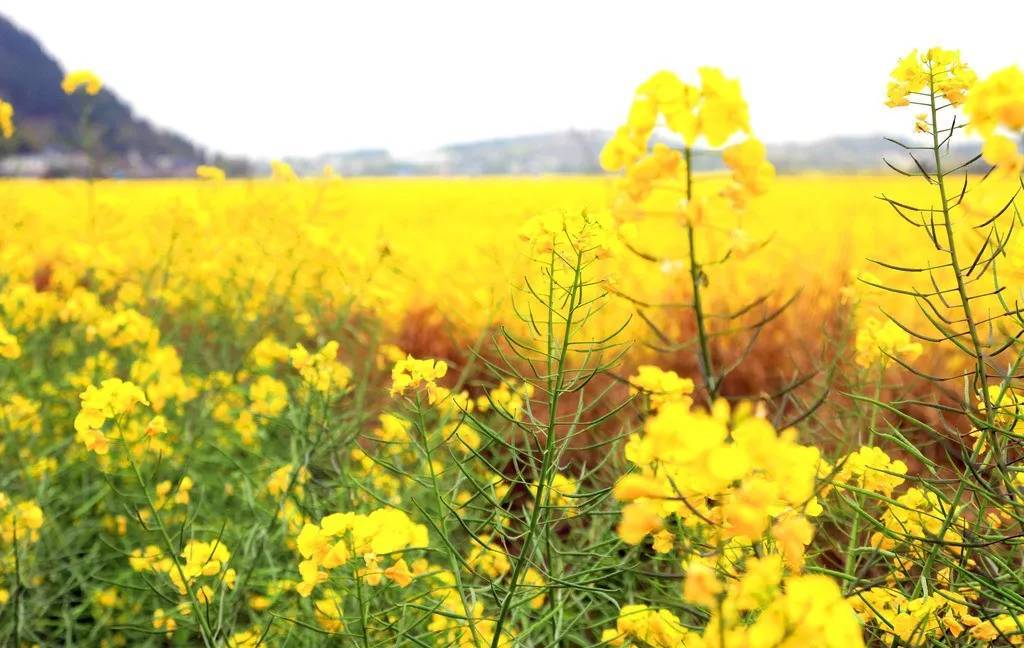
[697, 279]
[957, 508]
[441, 523]
[555, 377]
[209, 638]
[850, 569]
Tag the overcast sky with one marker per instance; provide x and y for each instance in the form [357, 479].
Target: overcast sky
[303, 77]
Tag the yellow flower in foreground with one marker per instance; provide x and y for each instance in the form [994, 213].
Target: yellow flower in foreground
[750, 165]
[723, 111]
[157, 426]
[793, 534]
[661, 386]
[210, 172]
[269, 396]
[871, 468]
[6, 119]
[342, 536]
[997, 101]
[411, 373]
[9, 347]
[201, 559]
[701, 585]
[1004, 625]
[938, 69]
[917, 621]
[267, 352]
[163, 621]
[19, 522]
[635, 486]
[321, 370]
[720, 465]
[622, 150]
[639, 520]
[561, 230]
[1007, 406]
[251, 638]
[399, 573]
[81, 79]
[111, 399]
[280, 170]
[1002, 153]
[651, 627]
[878, 342]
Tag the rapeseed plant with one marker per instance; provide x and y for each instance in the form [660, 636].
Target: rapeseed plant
[229, 418]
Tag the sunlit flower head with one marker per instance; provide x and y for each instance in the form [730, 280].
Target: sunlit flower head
[86, 79]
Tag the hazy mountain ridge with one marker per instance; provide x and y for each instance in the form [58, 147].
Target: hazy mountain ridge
[48, 122]
[576, 152]
[48, 139]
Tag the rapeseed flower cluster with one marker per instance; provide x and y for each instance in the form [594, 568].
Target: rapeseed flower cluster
[321, 370]
[85, 79]
[918, 621]
[878, 342]
[661, 387]
[935, 67]
[798, 611]
[6, 119]
[20, 523]
[112, 399]
[368, 539]
[996, 111]
[726, 473]
[411, 374]
[659, 181]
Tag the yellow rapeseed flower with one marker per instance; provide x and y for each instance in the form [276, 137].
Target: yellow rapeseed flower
[76, 79]
[6, 119]
[210, 172]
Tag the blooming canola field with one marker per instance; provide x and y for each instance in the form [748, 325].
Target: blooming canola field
[399, 246]
[653, 408]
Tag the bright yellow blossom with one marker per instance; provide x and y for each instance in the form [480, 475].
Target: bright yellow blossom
[210, 172]
[6, 119]
[76, 79]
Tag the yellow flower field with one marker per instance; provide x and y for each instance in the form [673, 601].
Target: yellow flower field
[399, 246]
[655, 408]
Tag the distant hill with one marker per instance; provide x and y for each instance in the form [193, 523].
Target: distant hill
[562, 152]
[570, 152]
[47, 141]
[47, 120]
[859, 154]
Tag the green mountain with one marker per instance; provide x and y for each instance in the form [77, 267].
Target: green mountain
[48, 122]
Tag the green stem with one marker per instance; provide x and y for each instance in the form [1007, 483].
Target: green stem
[363, 617]
[981, 371]
[850, 568]
[204, 627]
[17, 583]
[696, 278]
[453, 560]
[556, 382]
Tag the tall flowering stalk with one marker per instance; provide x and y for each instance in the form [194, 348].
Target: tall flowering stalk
[944, 535]
[658, 182]
[78, 82]
[563, 358]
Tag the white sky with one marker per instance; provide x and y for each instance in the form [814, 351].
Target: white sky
[304, 77]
